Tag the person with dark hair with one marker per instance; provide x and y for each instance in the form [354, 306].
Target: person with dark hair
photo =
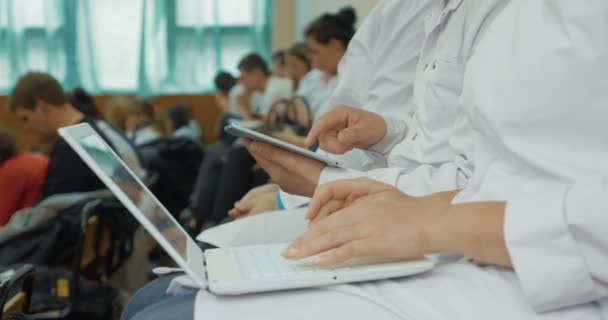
[83, 102]
[279, 64]
[224, 82]
[40, 103]
[228, 90]
[328, 37]
[255, 76]
[183, 124]
[21, 176]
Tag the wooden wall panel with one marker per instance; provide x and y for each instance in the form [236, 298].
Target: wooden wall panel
[203, 109]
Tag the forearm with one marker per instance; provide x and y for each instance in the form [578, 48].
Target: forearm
[472, 229]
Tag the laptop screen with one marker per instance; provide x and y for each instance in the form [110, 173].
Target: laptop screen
[136, 192]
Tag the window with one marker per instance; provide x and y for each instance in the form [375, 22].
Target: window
[143, 46]
[31, 38]
[213, 35]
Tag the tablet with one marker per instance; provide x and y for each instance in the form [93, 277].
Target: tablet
[236, 130]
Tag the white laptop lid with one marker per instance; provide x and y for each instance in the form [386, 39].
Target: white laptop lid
[134, 195]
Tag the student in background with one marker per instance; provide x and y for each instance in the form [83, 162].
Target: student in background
[327, 39]
[21, 176]
[226, 98]
[127, 151]
[227, 89]
[38, 100]
[255, 76]
[115, 112]
[297, 64]
[183, 124]
[144, 123]
[279, 64]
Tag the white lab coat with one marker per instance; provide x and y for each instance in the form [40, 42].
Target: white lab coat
[377, 71]
[536, 99]
[421, 159]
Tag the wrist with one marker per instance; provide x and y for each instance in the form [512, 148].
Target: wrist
[449, 231]
[469, 229]
[313, 180]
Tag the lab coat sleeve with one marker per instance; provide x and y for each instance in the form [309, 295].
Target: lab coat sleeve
[391, 176]
[557, 241]
[396, 131]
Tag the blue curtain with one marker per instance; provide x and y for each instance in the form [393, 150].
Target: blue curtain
[148, 47]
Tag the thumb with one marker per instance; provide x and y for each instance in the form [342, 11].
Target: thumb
[243, 205]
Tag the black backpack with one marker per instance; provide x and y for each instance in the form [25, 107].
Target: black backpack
[176, 163]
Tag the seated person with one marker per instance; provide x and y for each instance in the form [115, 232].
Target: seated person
[228, 90]
[144, 123]
[39, 102]
[21, 176]
[279, 64]
[85, 103]
[255, 77]
[183, 124]
[115, 111]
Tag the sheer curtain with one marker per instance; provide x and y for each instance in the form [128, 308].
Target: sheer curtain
[147, 47]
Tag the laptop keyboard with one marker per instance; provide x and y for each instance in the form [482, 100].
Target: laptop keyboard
[267, 262]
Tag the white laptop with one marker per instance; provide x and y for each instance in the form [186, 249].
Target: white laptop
[225, 271]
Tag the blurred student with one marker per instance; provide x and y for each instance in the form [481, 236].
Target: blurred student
[255, 76]
[144, 123]
[21, 176]
[183, 124]
[127, 151]
[279, 64]
[38, 100]
[297, 64]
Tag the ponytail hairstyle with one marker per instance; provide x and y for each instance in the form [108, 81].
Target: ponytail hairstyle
[84, 102]
[339, 26]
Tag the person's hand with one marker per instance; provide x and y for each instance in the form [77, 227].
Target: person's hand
[346, 128]
[257, 200]
[288, 135]
[295, 174]
[337, 195]
[387, 225]
[334, 196]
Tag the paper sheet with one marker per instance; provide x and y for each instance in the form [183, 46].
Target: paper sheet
[267, 228]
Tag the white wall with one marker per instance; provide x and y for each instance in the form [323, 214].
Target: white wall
[308, 10]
